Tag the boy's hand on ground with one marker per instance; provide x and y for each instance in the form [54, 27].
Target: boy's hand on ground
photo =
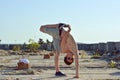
[76, 77]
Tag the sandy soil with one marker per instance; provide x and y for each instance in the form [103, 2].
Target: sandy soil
[43, 69]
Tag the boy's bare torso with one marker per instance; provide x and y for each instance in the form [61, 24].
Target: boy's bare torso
[69, 45]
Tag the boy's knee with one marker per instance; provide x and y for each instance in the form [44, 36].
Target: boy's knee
[42, 28]
[57, 54]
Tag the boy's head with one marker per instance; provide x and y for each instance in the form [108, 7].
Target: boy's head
[68, 59]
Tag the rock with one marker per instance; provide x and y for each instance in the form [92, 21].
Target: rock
[51, 54]
[46, 56]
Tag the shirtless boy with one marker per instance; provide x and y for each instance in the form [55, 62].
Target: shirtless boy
[63, 43]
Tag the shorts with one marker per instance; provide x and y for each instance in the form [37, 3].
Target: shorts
[54, 32]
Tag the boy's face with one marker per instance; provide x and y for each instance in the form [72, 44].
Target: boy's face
[69, 57]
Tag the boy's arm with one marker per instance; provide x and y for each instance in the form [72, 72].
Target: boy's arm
[77, 65]
[74, 49]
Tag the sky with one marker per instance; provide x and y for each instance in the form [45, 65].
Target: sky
[92, 21]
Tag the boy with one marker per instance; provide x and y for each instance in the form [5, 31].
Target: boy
[63, 42]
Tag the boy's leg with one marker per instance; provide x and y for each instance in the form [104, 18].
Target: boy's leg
[57, 68]
[56, 43]
[56, 60]
[57, 54]
[54, 32]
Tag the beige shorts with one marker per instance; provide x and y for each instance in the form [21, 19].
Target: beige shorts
[54, 32]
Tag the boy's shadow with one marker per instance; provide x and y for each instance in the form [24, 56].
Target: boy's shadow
[115, 74]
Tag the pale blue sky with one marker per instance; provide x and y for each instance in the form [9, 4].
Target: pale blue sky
[92, 21]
